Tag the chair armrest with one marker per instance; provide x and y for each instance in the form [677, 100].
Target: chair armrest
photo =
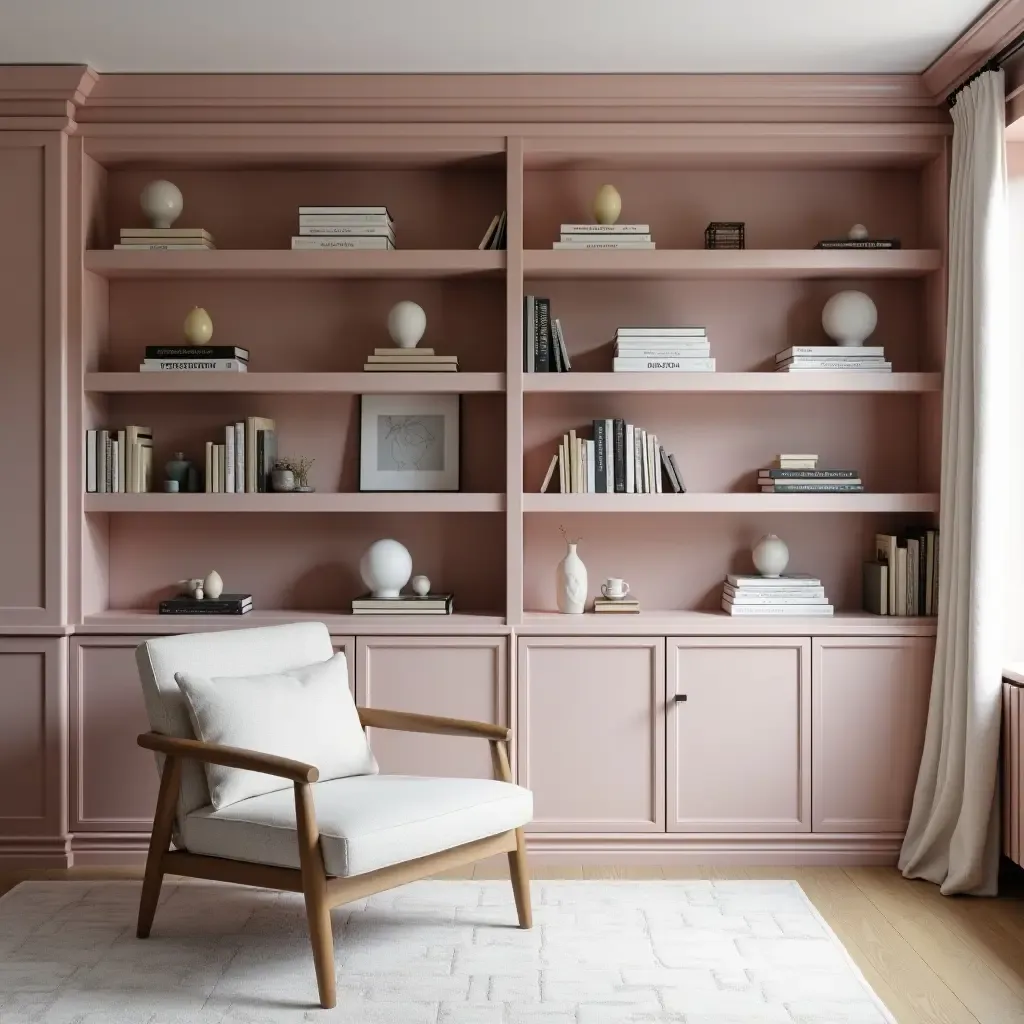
[405, 721]
[229, 757]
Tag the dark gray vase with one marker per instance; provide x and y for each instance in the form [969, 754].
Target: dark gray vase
[177, 469]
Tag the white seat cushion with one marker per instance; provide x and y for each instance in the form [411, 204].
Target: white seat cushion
[366, 822]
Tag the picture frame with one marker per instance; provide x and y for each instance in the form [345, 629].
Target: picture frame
[409, 442]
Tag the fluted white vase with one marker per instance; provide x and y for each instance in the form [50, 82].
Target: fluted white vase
[571, 583]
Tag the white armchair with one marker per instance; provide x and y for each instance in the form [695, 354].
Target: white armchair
[333, 841]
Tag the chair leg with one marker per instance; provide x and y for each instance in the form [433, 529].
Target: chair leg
[314, 890]
[520, 875]
[159, 843]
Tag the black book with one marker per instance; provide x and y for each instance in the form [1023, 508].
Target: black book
[858, 243]
[669, 475]
[197, 352]
[600, 458]
[808, 474]
[675, 471]
[529, 333]
[557, 365]
[266, 456]
[619, 455]
[543, 335]
[226, 604]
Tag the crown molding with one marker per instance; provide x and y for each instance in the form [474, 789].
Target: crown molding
[45, 95]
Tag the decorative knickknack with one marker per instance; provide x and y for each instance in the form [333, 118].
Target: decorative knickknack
[386, 567]
[571, 580]
[849, 317]
[607, 205]
[771, 556]
[406, 323]
[420, 586]
[198, 327]
[213, 585]
[162, 203]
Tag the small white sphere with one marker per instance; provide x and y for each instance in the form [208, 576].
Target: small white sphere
[420, 586]
[386, 567]
[857, 232]
[849, 317]
[162, 203]
[771, 556]
[607, 205]
[406, 323]
[198, 326]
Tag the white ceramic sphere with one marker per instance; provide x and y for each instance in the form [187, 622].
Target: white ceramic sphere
[386, 567]
[420, 585]
[213, 585]
[771, 556]
[607, 205]
[406, 323]
[849, 317]
[162, 203]
[198, 326]
[857, 232]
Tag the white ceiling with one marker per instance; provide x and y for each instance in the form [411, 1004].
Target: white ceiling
[615, 36]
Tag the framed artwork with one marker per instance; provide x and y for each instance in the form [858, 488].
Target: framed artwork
[409, 443]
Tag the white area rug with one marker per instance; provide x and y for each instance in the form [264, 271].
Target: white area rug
[741, 952]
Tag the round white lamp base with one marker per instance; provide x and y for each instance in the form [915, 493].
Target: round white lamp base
[849, 317]
[386, 567]
[406, 323]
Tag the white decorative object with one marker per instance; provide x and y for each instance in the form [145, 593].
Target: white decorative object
[161, 202]
[213, 585]
[420, 586]
[849, 317]
[607, 205]
[406, 323]
[198, 327]
[571, 581]
[771, 556]
[857, 233]
[386, 567]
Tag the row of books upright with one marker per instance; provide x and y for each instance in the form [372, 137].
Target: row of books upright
[243, 463]
[344, 227]
[904, 577]
[544, 348]
[119, 461]
[619, 459]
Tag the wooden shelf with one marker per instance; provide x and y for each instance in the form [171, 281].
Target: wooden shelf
[744, 502]
[744, 263]
[121, 264]
[294, 383]
[405, 501]
[731, 383]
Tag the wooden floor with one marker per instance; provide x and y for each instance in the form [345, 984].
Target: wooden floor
[930, 958]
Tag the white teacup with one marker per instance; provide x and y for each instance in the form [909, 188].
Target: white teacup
[614, 589]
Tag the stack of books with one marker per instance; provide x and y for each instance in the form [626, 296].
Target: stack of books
[165, 238]
[619, 459]
[605, 236]
[774, 595]
[226, 604]
[243, 463]
[496, 235]
[119, 461]
[904, 578]
[657, 349]
[858, 243]
[344, 227]
[544, 348]
[419, 360]
[808, 479]
[187, 358]
[613, 606]
[404, 604]
[860, 359]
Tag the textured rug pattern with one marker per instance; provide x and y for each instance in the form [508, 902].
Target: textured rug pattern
[436, 952]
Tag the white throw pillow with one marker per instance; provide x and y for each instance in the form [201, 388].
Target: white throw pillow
[306, 714]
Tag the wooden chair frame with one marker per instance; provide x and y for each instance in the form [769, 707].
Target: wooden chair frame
[321, 891]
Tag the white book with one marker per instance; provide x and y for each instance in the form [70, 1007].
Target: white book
[208, 468]
[304, 242]
[603, 245]
[630, 459]
[190, 365]
[660, 332]
[103, 479]
[831, 352]
[591, 469]
[741, 582]
[777, 600]
[675, 352]
[229, 459]
[661, 343]
[194, 246]
[562, 464]
[603, 229]
[753, 591]
[115, 477]
[610, 236]
[661, 365]
[222, 467]
[609, 456]
[789, 609]
[90, 462]
[333, 211]
[120, 462]
[166, 233]
[359, 230]
[239, 458]
[833, 369]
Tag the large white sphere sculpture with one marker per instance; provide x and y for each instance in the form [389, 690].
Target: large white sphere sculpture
[406, 323]
[162, 203]
[849, 317]
[386, 567]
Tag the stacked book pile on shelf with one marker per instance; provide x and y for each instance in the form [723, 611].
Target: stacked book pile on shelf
[660, 349]
[119, 461]
[344, 227]
[200, 358]
[418, 360]
[226, 604]
[799, 474]
[853, 359]
[404, 604]
[243, 463]
[496, 235]
[858, 242]
[774, 595]
[616, 606]
[605, 236]
[544, 348]
[904, 577]
[619, 459]
[165, 238]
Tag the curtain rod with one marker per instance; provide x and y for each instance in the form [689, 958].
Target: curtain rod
[992, 64]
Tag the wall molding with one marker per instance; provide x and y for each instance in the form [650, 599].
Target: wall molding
[34, 852]
[108, 849]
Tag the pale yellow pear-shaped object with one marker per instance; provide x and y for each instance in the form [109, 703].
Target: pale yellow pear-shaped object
[198, 327]
[213, 585]
[607, 205]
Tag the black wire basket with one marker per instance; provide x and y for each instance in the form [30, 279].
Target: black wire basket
[725, 234]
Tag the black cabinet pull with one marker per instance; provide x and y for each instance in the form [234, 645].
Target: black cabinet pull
[679, 697]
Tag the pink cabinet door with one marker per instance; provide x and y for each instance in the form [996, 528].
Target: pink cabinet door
[739, 744]
[591, 732]
[870, 698]
[457, 677]
[348, 645]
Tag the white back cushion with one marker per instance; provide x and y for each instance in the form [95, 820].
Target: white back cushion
[305, 714]
[233, 652]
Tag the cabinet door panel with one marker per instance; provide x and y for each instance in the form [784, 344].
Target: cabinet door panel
[870, 709]
[739, 747]
[591, 741]
[457, 677]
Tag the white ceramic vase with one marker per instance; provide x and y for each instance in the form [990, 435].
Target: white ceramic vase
[162, 203]
[406, 323]
[198, 326]
[849, 317]
[386, 567]
[213, 585]
[607, 205]
[771, 556]
[571, 582]
[420, 586]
